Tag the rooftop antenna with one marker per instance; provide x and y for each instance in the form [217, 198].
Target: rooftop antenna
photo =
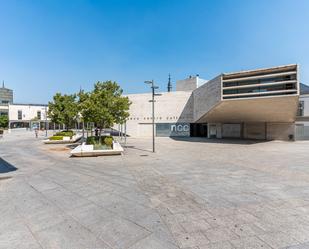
[169, 84]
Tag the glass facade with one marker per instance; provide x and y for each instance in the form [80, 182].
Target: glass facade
[300, 111]
[270, 82]
[6, 96]
[172, 129]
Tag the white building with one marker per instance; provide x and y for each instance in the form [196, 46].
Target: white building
[27, 115]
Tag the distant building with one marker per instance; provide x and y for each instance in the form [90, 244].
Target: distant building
[27, 115]
[6, 98]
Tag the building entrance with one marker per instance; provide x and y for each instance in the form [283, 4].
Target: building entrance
[198, 130]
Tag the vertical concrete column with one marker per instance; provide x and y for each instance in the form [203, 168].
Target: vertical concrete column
[265, 130]
[219, 130]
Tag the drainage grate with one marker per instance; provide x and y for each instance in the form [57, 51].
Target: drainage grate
[143, 155]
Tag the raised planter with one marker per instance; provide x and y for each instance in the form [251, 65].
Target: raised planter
[88, 150]
[65, 140]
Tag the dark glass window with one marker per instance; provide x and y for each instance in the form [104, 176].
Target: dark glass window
[300, 111]
[20, 115]
[39, 115]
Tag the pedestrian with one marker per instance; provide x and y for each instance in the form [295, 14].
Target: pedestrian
[36, 132]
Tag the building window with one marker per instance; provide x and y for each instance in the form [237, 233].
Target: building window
[300, 111]
[20, 115]
[5, 101]
[38, 114]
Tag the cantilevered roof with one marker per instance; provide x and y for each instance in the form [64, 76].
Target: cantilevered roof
[265, 109]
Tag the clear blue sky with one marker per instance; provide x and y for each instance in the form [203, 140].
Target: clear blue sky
[49, 46]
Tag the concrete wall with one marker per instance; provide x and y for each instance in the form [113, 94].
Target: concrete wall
[28, 112]
[254, 131]
[280, 131]
[187, 84]
[231, 130]
[206, 97]
[170, 107]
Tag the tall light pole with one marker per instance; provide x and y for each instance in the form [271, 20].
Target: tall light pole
[45, 121]
[153, 87]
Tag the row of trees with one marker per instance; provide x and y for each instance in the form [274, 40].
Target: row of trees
[104, 106]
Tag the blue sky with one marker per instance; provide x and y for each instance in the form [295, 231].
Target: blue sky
[58, 46]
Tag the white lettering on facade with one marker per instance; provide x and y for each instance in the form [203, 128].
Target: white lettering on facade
[180, 127]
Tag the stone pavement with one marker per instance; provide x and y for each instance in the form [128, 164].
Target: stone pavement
[191, 194]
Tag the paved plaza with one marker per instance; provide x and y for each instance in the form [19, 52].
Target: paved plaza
[191, 194]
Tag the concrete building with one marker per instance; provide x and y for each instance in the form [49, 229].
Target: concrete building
[302, 118]
[6, 97]
[27, 115]
[254, 104]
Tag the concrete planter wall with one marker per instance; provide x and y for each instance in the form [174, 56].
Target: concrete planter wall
[88, 150]
[65, 140]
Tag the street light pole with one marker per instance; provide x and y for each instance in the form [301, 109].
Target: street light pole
[45, 121]
[153, 87]
[153, 117]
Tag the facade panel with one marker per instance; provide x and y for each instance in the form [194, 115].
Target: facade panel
[231, 130]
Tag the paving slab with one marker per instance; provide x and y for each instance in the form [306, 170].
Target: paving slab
[189, 194]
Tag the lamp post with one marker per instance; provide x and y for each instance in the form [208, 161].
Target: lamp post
[153, 87]
[45, 121]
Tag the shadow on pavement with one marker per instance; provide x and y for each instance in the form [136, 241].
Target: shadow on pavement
[218, 141]
[6, 167]
[134, 148]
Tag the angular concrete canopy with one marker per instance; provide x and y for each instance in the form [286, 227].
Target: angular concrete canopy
[261, 95]
[266, 109]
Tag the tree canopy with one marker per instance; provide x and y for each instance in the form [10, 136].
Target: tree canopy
[4, 121]
[105, 105]
[63, 109]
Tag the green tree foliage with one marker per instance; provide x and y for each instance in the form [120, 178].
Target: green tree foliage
[82, 97]
[63, 109]
[105, 105]
[4, 121]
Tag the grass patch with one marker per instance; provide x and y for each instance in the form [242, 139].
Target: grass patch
[65, 133]
[56, 138]
[59, 135]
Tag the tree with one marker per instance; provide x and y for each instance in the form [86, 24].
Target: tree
[4, 121]
[63, 110]
[105, 105]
